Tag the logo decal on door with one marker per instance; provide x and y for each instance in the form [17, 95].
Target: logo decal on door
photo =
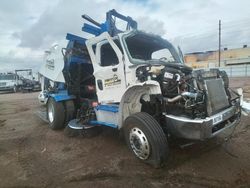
[112, 81]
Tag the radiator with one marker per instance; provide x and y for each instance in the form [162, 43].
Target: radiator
[217, 98]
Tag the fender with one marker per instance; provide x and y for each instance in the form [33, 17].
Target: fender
[61, 96]
[130, 102]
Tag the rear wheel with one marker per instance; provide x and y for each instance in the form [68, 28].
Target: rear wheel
[55, 114]
[146, 139]
[69, 111]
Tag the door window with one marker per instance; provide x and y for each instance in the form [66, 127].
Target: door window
[108, 56]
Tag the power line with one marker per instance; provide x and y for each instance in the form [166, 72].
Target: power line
[226, 33]
[219, 40]
[211, 34]
[244, 24]
[237, 21]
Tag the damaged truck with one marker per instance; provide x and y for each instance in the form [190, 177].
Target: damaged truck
[137, 82]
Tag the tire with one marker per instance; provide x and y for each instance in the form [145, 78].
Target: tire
[146, 139]
[69, 111]
[15, 89]
[55, 114]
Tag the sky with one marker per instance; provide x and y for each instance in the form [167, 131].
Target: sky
[28, 27]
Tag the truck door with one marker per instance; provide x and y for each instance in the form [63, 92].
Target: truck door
[108, 64]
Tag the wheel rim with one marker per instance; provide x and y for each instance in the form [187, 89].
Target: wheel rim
[51, 113]
[139, 143]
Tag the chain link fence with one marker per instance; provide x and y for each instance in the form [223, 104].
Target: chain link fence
[237, 70]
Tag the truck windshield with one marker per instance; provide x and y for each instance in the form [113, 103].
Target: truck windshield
[7, 77]
[148, 48]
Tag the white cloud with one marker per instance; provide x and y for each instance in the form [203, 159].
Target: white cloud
[28, 27]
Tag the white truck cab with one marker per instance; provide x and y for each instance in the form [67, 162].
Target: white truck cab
[9, 82]
[156, 94]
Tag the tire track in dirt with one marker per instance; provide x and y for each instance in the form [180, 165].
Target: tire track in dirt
[164, 176]
[11, 110]
[2, 122]
[164, 179]
[33, 162]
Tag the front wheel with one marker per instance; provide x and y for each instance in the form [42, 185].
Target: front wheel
[55, 114]
[15, 89]
[146, 139]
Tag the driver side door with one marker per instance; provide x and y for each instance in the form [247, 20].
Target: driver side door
[107, 58]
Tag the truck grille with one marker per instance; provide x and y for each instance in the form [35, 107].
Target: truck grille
[2, 83]
[216, 96]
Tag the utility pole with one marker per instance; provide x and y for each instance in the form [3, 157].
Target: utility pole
[219, 41]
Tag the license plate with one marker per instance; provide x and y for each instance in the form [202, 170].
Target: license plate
[217, 119]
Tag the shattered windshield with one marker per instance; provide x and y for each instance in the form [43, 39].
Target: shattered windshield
[146, 48]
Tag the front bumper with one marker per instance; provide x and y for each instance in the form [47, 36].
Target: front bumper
[201, 129]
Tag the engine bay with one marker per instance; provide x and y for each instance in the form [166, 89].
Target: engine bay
[186, 92]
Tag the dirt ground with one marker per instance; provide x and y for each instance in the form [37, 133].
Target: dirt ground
[32, 155]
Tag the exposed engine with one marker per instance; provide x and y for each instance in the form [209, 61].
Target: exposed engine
[188, 93]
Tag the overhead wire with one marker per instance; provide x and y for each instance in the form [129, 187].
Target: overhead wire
[226, 28]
